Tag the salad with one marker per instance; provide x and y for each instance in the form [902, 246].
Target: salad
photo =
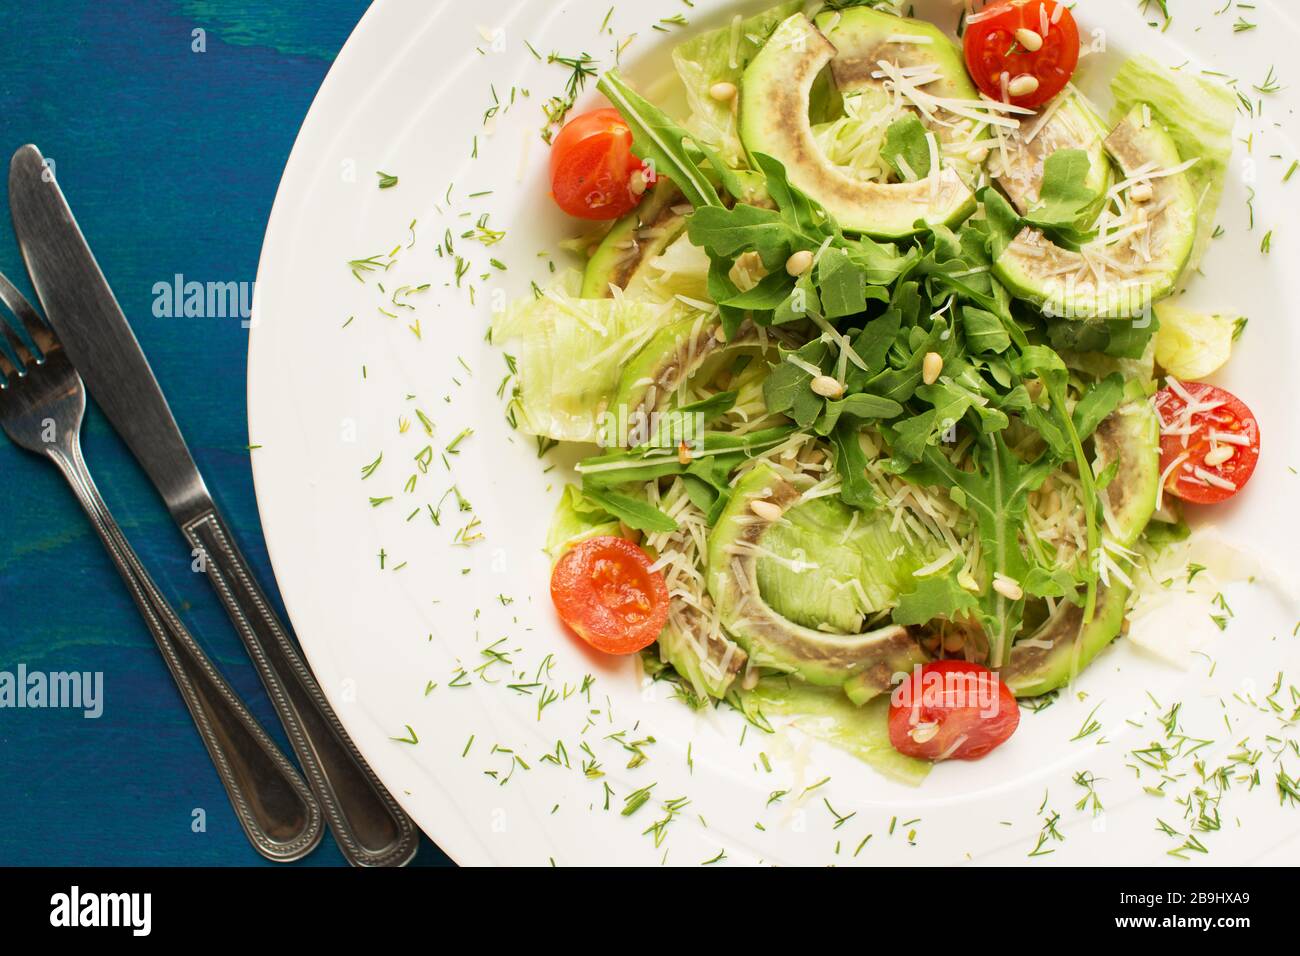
[875, 366]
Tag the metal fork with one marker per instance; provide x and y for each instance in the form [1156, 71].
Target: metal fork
[42, 403]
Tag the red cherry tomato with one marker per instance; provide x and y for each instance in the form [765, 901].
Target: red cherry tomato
[592, 167]
[605, 591]
[1195, 444]
[992, 49]
[951, 710]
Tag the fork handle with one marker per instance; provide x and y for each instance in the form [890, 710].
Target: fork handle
[367, 823]
[273, 804]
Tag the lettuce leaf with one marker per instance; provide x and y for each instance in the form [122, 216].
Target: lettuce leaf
[720, 56]
[831, 570]
[574, 520]
[1199, 115]
[569, 353]
[828, 715]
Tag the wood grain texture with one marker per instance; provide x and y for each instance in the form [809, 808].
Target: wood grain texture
[170, 159]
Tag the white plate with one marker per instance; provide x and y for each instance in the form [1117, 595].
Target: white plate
[408, 95]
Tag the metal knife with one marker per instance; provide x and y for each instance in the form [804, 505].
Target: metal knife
[370, 828]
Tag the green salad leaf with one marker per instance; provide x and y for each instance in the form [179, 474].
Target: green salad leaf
[659, 141]
[906, 149]
[935, 597]
[633, 512]
[1064, 195]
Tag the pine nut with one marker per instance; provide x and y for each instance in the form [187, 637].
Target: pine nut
[765, 509]
[953, 643]
[720, 334]
[683, 454]
[636, 182]
[827, 387]
[1008, 588]
[1217, 456]
[1023, 85]
[1028, 39]
[722, 91]
[924, 732]
[931, 367]
[799, 263]
[1141, 192]
[978, 154]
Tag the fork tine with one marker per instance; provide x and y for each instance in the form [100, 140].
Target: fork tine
[17, 303]
[7, 370]
[20, 350]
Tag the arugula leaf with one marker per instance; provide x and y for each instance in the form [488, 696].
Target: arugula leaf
[675, 423]
[910, 437]
[1098, 402]
[659, 141]
[787, 387]
[906, 149]
[1064, 196]
[1118, 338]
[804, 216]
[702, 494]
[633, 512]
[802, 302]
[1041, 582]
[1129, 337]
[851, 465]
[727, 232]
[984, 331]
[717, 455]
[1048, 366]
[772, 290]
[900, 383]
[997, 494]
[1003, 221]
[938, 596]
[873, 344]
[860, 406]
[721, 288]
[842, 285]
[883, 263]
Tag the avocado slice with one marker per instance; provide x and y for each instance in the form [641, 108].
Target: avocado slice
[773, 640]
[672, 356]
[1064, 646]
[1034, 268]
[774, 121]
[863, 37]
[707, 659]
[1129, 437]
[1067, 122]
[633, 241]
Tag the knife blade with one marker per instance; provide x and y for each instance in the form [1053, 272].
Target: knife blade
[99, 341]
[367, 823]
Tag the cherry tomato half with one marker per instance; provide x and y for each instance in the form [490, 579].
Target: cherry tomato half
[1220, 440]
[592, 167]
[951, 710]
[993, 48]
[604, 590]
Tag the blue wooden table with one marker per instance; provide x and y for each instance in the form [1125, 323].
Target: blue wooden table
[169, 122]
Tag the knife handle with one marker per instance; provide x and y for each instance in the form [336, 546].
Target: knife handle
[370, 827]
[276, 810]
